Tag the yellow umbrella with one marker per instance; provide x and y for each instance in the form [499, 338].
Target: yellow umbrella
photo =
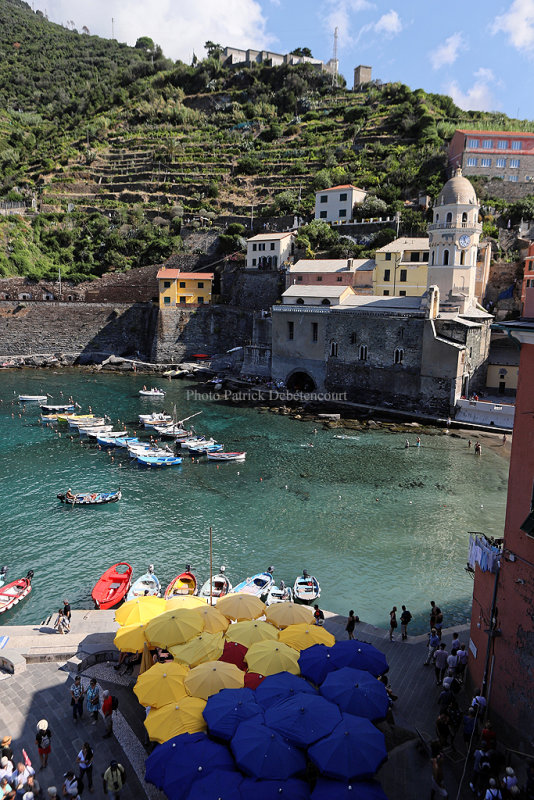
[251, 631]
[174, 627]
[241, 606]
[206, 647]
[161, 684]
[146, 660]
[183, 601]
[130, 639]
[270, 657]
[214, 621]
[142, 609]
[211, 677]
[284, 614]
[303, 636]
[185, 716]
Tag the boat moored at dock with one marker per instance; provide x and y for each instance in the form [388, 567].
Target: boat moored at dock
[112, 585]
[306, 589]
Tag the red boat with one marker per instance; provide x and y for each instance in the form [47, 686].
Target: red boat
[112, 586]
[13, 593]
[185, 583]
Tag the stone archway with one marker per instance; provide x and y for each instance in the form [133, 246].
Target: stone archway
[300, 381]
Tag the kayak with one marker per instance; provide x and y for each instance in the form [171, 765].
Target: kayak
[185, 583]
[112, 586]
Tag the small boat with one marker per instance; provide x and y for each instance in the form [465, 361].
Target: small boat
[57, 409]
[108, 439]
[33, 398]
[306, 589]
[95, 430]
[112, 586]
[185, 443]
[47, 418]
[83, 417]
[13, 593]
[258, 585]
[3, 573]
[154, 419]
[222, 456]
[151, 392]
[185, 583]
[159, 461]
[279, 594]
[89, 498]
[205, 447]
[172, 431]
[147, 584]
[127, 441]
[88, 423]
[220, 585]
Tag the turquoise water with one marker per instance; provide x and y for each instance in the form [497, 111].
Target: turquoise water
[376, 523]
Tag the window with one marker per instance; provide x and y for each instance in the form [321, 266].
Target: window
[182, 284]
[472, 161]
[319, 277]
[183, 299]
[516, 145]
[401, 333]
[363, 352]
[464, 216]
[512, 178]
[200, 284]
[385, 292]
[462, 258]
[342, 197]
[299, 278]
[485, 162]
[315, 331]
[166, 284]
[353, 337]
[253, 262]
[472, 142]
[449, 218]
[403, 275]
[398, 356]
[432, 258]
[445, 257]
[339, 279]
[402, 293]
[261, 246]
[501, 162]
[300, 301]
[514, 162]
[333, 349]
[323, 215]
[254, 247]
[487, 144]
[388, 256]
[272, 245]
[167, 301]
[387, 275]
[200, 300]
[324, 198]
[275, 261]
[325, 302]
[290, 330]
[342, 212]
[503, 144]
[414, 257]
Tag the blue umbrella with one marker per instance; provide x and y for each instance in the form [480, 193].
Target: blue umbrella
[354, 749]
[193, 756]
[304, 718]
[316, 662]
[359, 655]
[264, 753]
[226, 709]
[218, 785]
[292, 789]
[356, 692]
[162, 757]
[280, 686]
[359, 790]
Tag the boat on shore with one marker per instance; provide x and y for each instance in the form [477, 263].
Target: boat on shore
[33, 398]
[279, 594]
[185, 583]
[225, 456]
[147, 584]
[154, 392]
[220, 586]
[306, 589]
[12, 593]
[112, 585]
[257, 585]
[89, 498]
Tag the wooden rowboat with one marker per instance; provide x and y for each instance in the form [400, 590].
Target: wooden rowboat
[112, 586]
[306, 589]
[226, 456]
[185, 583]
[13, 593]
[89, 498]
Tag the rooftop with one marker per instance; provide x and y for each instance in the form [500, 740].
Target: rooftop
[341, 186]
[316, 291]
[380, 304]
[261, 237]
[508, 134]
[172, 274]
[405, 243]
[332, 265]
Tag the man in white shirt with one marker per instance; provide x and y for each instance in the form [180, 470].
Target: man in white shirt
[6, 768]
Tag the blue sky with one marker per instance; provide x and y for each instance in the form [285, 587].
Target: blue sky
[480, 53]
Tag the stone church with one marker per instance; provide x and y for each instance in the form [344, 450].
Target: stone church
[408, 352]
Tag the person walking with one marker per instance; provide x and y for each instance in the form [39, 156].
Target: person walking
[351, 623]
[66, 610]
[70, 786]
[432, 614]
[462, 662]
[93, 700]
[107, 711]
[432, 646]
[439, 621]
[76, 701]
[43, 741]
[85, 765]
[114, 779]
[440, 663]
[392, 622]
[437, 777]
[493, 792]
[405, 618]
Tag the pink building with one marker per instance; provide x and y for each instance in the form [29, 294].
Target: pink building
[501, 647]
[355, 272]
[528, 275]
[508, 155]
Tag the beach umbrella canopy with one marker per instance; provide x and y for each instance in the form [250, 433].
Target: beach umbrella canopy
[174, 627]
[354, 749]
[183, 601]
[227, 709]
[241, 606]
[206, 647]
[316, 662]
[212, 676]
[250, 632]
[292, 789]
[234, 653]
[281, 686]
[130, 639]
[185, 758]
[221, 784]
[262, 752]
[271, 656]
[214, 621]
[303, 635]
[253, 679]
[358, 790]
[161, 684]
[184, 716]
[304, 718]
[284, 614]
[356, 692]
[139, 610]
[360, 655]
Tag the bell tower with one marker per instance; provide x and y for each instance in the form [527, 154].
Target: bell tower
[454, 235]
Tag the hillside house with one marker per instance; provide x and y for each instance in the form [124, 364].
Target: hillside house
[270, 251]
[337, 203]
[177, 288]
[332, 272]
[508, 155]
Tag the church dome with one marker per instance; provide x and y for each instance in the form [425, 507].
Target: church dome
[457, 191]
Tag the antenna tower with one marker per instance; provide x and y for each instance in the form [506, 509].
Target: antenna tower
[334, 59]
[112, 28]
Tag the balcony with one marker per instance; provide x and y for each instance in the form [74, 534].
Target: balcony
[476, 227]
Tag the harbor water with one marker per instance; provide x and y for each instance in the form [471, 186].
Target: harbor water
[377, 523]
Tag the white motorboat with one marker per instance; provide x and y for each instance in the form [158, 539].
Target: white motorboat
[147, 584]
[226, 456]
[306, 589]
[33, 398]
[220, 585]
[76, 423]
[152, 392]
[279, 594]
[94, 430]
[193, 442]
[155, 418]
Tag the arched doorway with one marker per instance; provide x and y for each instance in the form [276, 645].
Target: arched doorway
[300, 382]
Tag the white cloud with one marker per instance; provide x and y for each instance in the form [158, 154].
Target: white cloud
[389, 24]
[479, 97]
[518, 25]
[448, 52]
[486, 74]
[178, 27]
[340, 15]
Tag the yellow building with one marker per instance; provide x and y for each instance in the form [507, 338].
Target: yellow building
[177, 288]
[401, 268]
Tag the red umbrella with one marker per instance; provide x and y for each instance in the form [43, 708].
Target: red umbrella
[253, 679]
[234, 653]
